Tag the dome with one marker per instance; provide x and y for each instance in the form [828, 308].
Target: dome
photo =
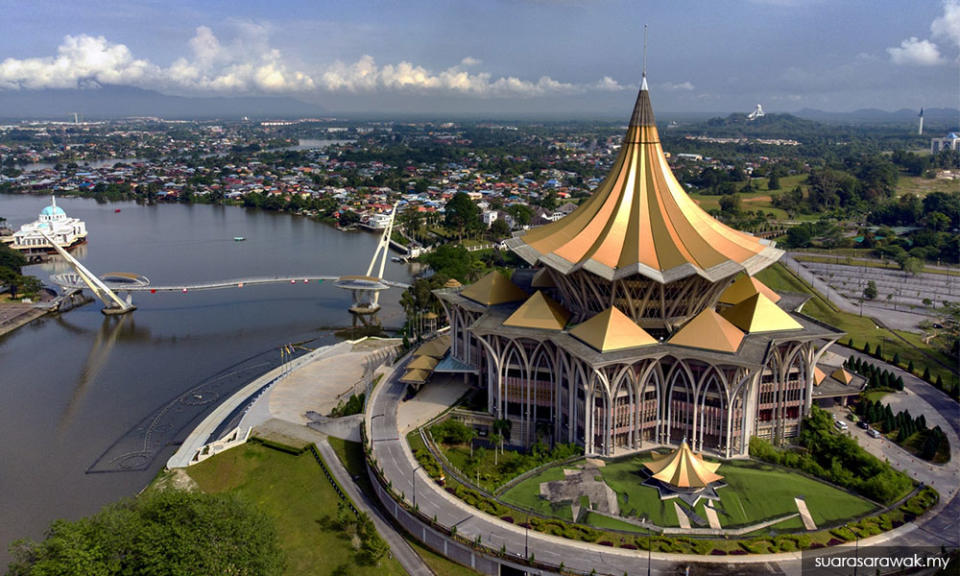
[53, 211]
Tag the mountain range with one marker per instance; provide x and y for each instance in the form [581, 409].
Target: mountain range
[111, 102]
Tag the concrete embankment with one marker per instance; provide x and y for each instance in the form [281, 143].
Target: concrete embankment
[13, 315]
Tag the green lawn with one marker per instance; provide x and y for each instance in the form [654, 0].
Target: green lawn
[860, 329]
[876, 394]
[626, 477]
[351, 455]
[293, 491]
[920, 186]
[756, 492]
[526, 494]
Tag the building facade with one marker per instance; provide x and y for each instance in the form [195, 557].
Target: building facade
[638, 323]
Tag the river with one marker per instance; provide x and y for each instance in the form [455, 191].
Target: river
[91, 406]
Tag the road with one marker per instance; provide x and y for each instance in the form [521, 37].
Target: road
[394, 456]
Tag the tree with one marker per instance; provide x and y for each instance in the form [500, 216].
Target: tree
[163, 532]
[870, 292]
[774, 182]
[499, 229]
[521, 213]
[462, 215]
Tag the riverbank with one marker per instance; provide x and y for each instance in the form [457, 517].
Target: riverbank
[14, 315]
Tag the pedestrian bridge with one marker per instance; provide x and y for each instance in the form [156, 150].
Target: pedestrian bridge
[119, 282]
[365, 289]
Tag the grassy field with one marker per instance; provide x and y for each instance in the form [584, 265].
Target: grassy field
[351, 455]
[634, 499]
[860, 329]
[526, 494]
[889, 265]
[293, 491]
[757, 492]
[920, 186]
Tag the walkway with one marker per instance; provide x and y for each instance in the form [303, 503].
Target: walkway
[221, 284]
[393, 455]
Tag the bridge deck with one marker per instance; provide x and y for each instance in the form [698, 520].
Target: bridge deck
[219, 284]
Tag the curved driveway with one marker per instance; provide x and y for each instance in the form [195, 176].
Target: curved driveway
[398, 464]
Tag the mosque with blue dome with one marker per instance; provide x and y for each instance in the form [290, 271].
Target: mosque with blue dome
[54, 222]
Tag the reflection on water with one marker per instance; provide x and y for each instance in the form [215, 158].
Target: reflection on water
[81, 392]
[111, 329]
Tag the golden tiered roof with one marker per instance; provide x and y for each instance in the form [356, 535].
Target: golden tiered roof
[494, 288]
[709, 330]
[744, 287]
[611, 330]
[684, 469]
[758, 314]
[435, 348]
[641, 221]
[539, 311]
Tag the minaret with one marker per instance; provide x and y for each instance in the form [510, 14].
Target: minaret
[920, 131]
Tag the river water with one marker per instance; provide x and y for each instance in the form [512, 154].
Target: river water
[91, 407]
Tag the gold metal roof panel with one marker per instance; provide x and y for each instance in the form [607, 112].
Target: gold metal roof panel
[542, 279]
[684, 469]
[423, 363]
[758, 314]
[415, 376]
[709, 331]
[452, 283]
[640, 220]
[744, 287]
[818, 376]
[435, 348]
[842, 375]
[611, 330]
[539, 311]
[494, 288]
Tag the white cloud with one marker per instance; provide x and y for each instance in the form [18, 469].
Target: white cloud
[608, 84]
[677, 86]
[915, 52]
[248, 64]
[948, 25]
[79, 59]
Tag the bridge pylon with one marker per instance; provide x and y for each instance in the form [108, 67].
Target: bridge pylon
[112, 304]
[366, 289]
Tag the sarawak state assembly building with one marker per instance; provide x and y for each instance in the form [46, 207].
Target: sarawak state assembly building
[639, 323]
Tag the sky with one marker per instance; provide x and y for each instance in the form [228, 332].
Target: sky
[580, 57]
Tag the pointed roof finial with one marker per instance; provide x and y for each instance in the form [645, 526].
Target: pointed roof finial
[643, 83]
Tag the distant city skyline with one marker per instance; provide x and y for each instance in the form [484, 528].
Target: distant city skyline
[509, 57]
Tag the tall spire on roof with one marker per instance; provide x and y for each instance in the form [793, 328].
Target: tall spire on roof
[643, 82]
[640, 221]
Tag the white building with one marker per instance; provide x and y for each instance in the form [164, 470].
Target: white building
[950, 142]
[55, 223]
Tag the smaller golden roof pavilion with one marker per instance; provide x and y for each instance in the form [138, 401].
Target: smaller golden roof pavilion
[684, 469]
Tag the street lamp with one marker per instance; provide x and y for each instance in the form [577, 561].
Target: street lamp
[526, 538]
[413, 481]
[857, 548]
